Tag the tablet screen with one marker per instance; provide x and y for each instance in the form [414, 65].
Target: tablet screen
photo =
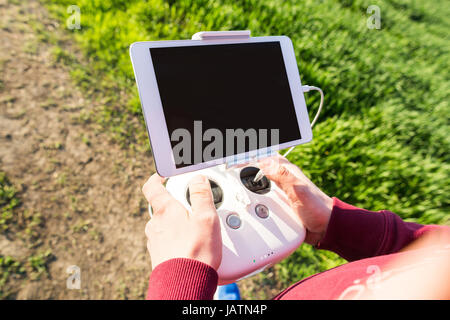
[223, 100]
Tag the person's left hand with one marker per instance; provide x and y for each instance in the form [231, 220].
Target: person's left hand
[173, 232]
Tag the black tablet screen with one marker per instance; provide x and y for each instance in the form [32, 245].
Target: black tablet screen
[217, 99]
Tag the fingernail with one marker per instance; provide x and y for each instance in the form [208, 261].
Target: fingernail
[269, 166]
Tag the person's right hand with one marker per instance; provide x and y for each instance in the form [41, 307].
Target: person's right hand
[307, 200]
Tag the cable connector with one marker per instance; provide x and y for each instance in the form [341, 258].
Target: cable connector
[307, 88]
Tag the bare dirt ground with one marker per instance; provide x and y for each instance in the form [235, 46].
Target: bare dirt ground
[80, 193]
[85, 190]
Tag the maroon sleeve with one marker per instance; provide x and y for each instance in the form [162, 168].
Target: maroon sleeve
[182, 279]
[355, 233]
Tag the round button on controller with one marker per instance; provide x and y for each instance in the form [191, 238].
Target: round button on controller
[233, 221]
[262, 211]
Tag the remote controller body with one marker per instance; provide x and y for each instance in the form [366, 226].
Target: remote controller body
[258, 226]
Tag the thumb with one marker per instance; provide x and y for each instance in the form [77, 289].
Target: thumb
[280, 172]
[202, 201]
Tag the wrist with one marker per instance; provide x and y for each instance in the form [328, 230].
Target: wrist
[181, 279]
[327, 208]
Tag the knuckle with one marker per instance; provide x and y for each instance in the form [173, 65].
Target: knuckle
[145, 187]
[199, 187]
[160, 203]
[296, 203]
[283, 171]
[200, 196]
[202, 192]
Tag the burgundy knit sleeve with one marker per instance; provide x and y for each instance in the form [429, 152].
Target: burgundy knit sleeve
[182, 279]
[355, 233]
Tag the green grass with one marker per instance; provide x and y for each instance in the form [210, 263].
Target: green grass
[383, 139]
[9, 268]
[19, 268]
[8, 202]
[38, 264]
[13, 269]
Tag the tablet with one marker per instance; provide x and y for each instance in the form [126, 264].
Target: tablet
[209, 102]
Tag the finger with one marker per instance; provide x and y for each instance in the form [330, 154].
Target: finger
[202, 200]
[156, 194]
[278, 171]
[282, 173]
[268, 166]
[152, 186]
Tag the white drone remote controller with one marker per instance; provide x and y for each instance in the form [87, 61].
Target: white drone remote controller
[258, 226]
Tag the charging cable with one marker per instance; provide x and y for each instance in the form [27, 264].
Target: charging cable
[305, 88]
